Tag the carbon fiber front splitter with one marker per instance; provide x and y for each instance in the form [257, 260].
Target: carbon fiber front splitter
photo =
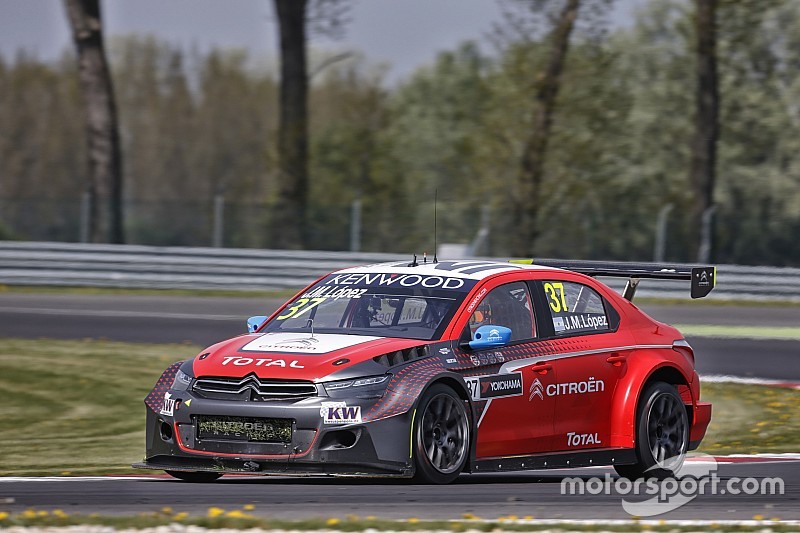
[257, 467]
[380, 447]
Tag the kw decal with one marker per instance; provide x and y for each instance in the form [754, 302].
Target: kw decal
[340, 413]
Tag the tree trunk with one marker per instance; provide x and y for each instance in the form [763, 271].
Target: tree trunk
[105, 159]
[706, 127]
[290, 225]
[527, 202]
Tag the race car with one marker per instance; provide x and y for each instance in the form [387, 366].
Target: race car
[430, 369]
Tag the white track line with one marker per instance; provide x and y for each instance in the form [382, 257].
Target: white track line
[629, 522]
[722, 378]
[17, 479]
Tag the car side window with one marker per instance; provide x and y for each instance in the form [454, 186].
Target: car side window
[575, 308]
[508, 305]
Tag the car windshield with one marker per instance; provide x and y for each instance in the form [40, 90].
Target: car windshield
[380, 304]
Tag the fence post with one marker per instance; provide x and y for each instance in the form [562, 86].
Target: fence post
[219, 221]
[482, 237]
[661, 234]
[706, 235]
[355, 226]
[86, 209]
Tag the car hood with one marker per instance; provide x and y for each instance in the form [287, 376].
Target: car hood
[292, 355]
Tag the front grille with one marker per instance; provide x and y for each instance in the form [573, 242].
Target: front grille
[253, 388]
[244, 429]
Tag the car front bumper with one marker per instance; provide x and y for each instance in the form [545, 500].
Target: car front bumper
[380, 447]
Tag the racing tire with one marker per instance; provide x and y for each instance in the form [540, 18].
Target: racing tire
[662, 434]
[194, 477]
[441, 436]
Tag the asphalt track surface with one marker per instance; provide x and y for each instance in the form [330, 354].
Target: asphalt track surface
[204, 321]
[488, 496]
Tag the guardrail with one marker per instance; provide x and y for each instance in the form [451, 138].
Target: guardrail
[133, 266]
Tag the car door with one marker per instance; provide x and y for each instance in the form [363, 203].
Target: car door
[588, 366]
[515, 418]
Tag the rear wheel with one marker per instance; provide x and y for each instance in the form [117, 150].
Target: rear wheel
[195, 477]
[662, 434]
[441, 436]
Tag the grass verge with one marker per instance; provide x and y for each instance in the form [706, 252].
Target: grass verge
[751, 419]
[286, 293]
[787, 333]
[218, 518]
[76, 407]
[206, 293]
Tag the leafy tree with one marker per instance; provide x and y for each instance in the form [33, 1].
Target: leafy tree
[534, 150]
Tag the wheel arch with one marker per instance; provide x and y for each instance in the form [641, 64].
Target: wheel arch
[459, 386]
[629, 392]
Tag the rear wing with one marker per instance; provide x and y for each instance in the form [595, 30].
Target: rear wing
[703, 278]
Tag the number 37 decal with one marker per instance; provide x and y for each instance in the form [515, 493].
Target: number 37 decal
[300, 307]
[556, 298]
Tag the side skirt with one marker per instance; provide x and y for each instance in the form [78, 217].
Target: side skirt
[601, 457]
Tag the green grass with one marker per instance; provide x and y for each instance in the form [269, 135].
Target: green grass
[207, 293]
[751, 419]
[76, 407]
[716, 302]
[286, 293]
[789, 333]
[217, 518]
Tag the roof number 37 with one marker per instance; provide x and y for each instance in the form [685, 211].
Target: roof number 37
[556, 299]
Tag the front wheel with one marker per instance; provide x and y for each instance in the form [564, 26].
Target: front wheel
[662, 434]
[194, 477]
[441, 436]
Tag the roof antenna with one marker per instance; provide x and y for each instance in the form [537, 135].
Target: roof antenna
[435, 245]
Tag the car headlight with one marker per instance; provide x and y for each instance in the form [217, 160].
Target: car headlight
[182, 381]
[368, 387]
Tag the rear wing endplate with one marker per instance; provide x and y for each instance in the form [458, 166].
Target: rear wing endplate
[703, 278]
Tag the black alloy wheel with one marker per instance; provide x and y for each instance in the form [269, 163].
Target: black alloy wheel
[662, 434]
[441, 436]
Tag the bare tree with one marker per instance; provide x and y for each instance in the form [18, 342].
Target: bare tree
[293, 126]
[295, 18]
[527, 201]
[706, 127]
[104, 185]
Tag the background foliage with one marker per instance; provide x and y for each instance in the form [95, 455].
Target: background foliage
[195, 126]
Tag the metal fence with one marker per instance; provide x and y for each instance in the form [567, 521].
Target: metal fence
[133, 266]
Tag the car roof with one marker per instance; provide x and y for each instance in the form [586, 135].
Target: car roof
[468, 268]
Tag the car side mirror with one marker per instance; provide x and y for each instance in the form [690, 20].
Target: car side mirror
[490, 337]
[254, 322]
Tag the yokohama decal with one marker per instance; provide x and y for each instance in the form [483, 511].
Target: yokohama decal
[495, 386]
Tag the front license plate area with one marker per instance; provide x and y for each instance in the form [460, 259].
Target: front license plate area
[244, 429]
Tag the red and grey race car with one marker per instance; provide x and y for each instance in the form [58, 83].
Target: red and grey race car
[428, 370]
